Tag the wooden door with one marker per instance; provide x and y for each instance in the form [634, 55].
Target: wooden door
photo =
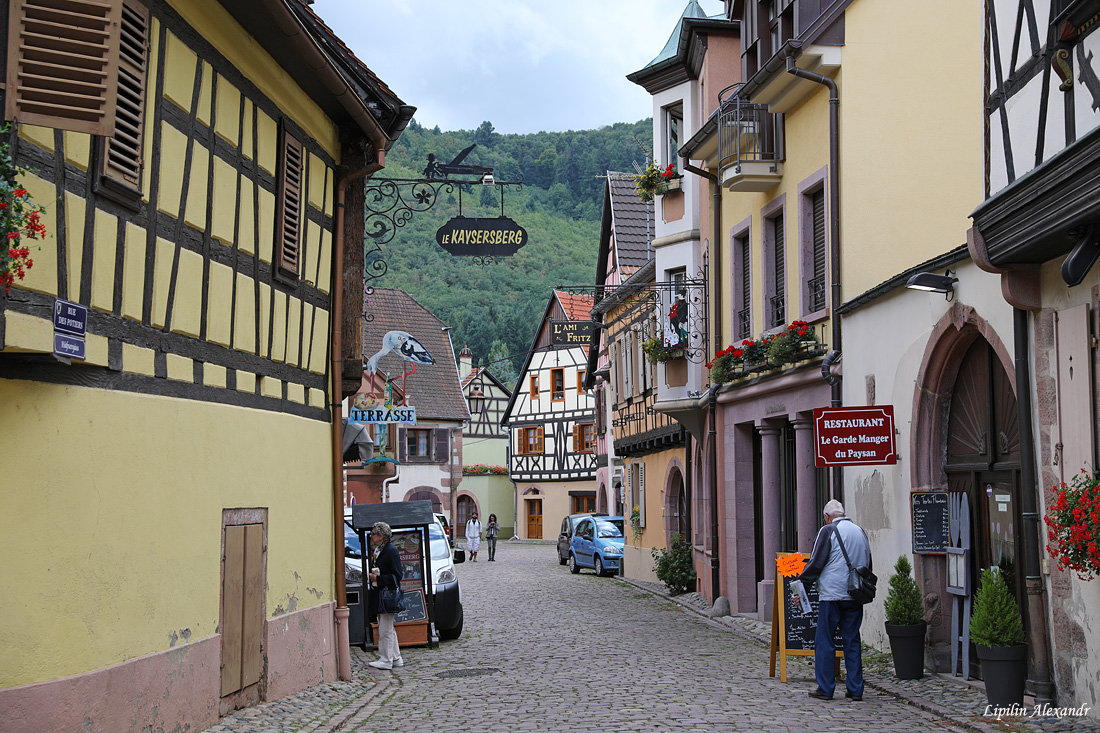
[242, 607]
[534, 519]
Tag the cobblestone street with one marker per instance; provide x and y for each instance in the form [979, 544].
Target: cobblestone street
[549, 651]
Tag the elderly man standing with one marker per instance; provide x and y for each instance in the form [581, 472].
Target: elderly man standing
[829, 570]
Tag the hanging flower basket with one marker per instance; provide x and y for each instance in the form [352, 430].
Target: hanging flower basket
[653, 180]
[1073, 525]
[669, 185]
[20, 218]
[657, 352]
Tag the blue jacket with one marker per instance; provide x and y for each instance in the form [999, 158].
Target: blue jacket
[827, 567]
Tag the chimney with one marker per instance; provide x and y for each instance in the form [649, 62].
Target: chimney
[465, 362]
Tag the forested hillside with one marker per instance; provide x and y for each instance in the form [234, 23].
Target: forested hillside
[559, 205]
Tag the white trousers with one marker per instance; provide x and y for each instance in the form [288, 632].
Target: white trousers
[388, 649]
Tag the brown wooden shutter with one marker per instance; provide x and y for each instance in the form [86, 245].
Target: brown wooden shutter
[578, 442]
[402, 449]
[63, 64]
[122, 158]
[288, 221]
[540, 436]
[442, 445]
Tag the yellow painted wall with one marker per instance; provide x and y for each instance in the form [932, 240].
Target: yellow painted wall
[216, 25]
[111, 529]
[912, 169]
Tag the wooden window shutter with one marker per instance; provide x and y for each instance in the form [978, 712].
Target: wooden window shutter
[63, 64]
[641, 494]
[402, 448]
[122, 152]
[288, 214]
[540, 436]
[442, 445]
[578, 441]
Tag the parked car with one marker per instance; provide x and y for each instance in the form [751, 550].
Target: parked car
[448, 594]
[568, 526]
[598, 544]
[442, 519]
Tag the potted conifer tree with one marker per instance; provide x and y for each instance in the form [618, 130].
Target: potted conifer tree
[905, 623]
[997, 630]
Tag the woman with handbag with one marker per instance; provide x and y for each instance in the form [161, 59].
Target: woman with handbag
[385, 575]
[492, 529]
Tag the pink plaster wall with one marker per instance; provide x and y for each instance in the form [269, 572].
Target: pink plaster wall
[300, 650]
[172, 690]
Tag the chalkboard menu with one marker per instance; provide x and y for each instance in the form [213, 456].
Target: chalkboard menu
[929, 522]
[794, 627]
[414, 608]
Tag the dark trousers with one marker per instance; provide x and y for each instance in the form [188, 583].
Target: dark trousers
[492, 547]
[848, 615]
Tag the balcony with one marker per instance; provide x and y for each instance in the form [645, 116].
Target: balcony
[749, 145]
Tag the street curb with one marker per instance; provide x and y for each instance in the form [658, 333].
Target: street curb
[920, 702]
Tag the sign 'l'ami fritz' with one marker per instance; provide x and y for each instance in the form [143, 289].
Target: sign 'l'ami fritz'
[570, 333]
[465, 236]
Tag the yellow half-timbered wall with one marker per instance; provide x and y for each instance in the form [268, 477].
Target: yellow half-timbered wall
[203, 398]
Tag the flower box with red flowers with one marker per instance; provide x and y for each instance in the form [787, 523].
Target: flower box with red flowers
[1073, 525]
[20, 218]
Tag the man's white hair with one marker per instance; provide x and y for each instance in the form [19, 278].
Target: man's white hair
[834, 509]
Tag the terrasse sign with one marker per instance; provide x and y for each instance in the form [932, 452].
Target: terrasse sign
[385, 414]
[854, 436]
[465, 236]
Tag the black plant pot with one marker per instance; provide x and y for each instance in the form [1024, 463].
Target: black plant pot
[907, 648]
[1004, 669]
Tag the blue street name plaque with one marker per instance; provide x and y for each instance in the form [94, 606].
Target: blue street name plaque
[70, 346]
[71, 318]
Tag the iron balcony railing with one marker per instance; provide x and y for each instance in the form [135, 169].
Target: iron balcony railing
[778, 311]
[744, 324]
[747, 132]
[817, 293]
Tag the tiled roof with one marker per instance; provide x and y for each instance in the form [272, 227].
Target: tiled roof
[672, 45]
[576, 307]
[434, 389]
[632, 222]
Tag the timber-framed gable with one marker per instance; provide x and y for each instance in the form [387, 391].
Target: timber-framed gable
[183, 282]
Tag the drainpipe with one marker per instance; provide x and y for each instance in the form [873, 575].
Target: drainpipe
[343, 639]
[712, 468]
[1037, 618]
[834, 231]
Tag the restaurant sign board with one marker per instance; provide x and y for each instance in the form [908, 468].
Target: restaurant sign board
[570, 333]
[854, 436]
[466, 236]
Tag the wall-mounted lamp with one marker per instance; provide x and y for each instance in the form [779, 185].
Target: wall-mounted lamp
[476, 401]
[1082, 257]
[933, 283]
[487, 179]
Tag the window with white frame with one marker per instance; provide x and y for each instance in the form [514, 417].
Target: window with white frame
[674, 126]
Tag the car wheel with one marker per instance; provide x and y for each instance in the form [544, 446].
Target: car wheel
[573, 566]
[453, 633]
[599, 565]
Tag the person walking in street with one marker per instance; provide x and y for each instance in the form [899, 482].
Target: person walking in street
[385, 573]
[828, 568]
[492, 529]
[473, 536]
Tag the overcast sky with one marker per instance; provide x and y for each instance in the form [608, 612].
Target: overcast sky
[524, 65]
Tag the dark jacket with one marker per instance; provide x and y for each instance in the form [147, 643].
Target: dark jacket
[827, 566]
[388, 564]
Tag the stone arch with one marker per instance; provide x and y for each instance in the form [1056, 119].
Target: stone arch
[674, 499]
[426, 493]
[948, 344]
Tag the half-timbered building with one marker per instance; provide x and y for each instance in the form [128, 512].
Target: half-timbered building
[1036, 230]
[485, 449]
[172, 366]
[551, 417]
[645, 476]
[412, 346]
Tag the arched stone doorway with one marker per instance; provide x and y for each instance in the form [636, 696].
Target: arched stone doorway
[426, 494]
[532, 500]
[966, 439]
[676, 511]
[464, 509]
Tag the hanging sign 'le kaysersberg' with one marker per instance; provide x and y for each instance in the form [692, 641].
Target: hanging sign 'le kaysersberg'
[466, 236]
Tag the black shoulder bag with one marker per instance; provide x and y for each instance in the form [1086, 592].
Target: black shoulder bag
[861, 581]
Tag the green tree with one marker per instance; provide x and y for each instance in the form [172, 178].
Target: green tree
[499, 363]
[484, 134]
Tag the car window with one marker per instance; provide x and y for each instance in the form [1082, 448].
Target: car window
[585, 528]
[441, 548]
[351, 540]
[565, 526]
[609, 529]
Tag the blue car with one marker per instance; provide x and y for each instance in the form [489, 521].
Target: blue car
[598, 544]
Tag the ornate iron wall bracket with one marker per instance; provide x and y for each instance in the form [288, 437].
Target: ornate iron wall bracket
[675, 312]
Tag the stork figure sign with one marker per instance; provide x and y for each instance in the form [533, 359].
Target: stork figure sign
[402, 343]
